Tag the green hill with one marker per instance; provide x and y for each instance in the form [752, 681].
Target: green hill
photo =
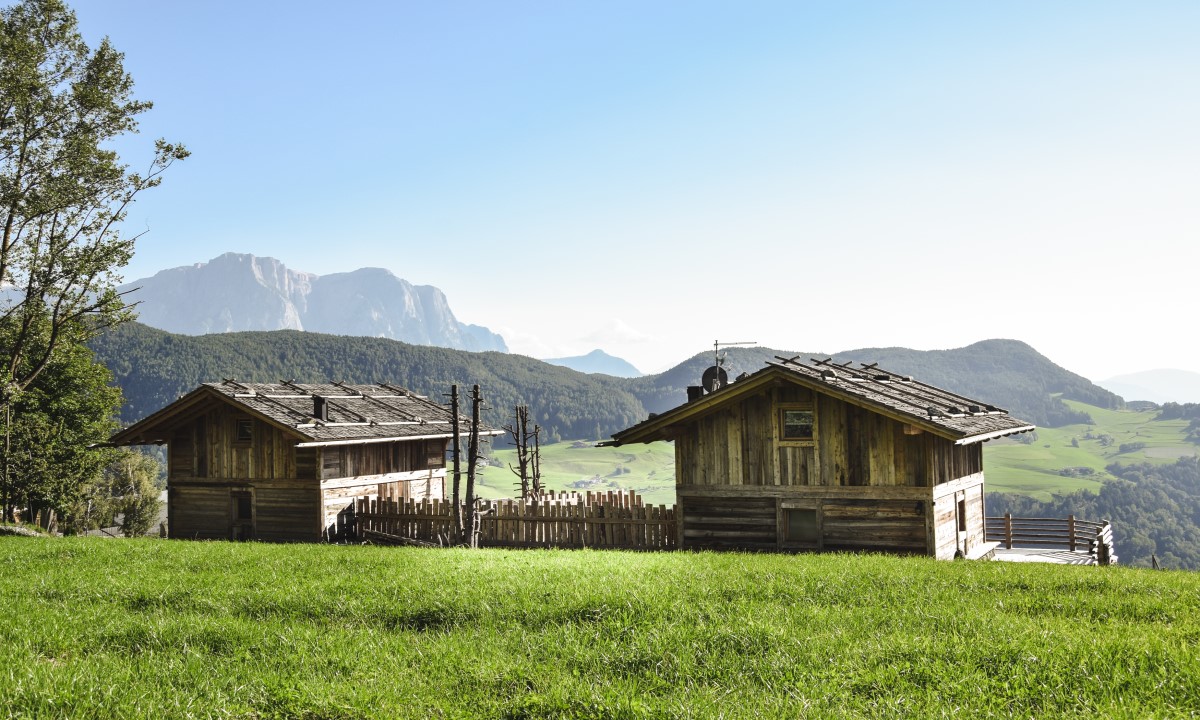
[154, 367]
[206, 629]
[1076, 457]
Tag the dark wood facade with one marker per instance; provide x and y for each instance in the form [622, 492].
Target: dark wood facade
[234, 473]
[848, 475]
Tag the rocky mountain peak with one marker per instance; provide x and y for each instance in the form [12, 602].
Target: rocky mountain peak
[238, 291]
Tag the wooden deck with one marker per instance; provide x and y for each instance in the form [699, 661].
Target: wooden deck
[1064, 541]
[1043, 555]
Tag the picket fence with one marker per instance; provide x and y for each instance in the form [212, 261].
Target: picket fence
[619, 520]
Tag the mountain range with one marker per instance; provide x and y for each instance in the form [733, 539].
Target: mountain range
[153, 367]
[239, 292]
[597, 361]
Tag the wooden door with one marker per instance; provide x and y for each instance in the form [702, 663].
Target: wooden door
[241, 515]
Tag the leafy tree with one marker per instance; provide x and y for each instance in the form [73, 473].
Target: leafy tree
[63, 194]
[46, 456]
[131, 482]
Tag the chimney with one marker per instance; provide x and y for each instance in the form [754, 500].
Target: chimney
[320, 408]
[695, 392]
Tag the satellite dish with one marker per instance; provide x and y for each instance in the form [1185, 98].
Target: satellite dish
[714, 378]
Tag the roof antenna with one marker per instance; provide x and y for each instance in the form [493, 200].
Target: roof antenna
[715, 377]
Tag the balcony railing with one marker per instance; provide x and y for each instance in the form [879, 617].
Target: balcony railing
[1069, 534]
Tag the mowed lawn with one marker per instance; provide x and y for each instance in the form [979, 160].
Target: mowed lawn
[95, 628]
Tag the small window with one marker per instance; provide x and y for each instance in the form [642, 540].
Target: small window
[801, 525]
[797, 424]
[244, 431]
[962, 515]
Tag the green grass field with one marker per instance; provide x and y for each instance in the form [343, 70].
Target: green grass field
[96, 628]
[1034, 469]
[648, 469]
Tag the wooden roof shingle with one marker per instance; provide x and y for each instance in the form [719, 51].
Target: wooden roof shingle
[353, 413]
[939, 411]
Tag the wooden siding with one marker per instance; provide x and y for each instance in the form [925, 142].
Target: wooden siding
[206, 447]
[756, 518]
[379, 458]
[746, 522]
[283, 510]
[873, 524]
[739, 444]
[947, 538]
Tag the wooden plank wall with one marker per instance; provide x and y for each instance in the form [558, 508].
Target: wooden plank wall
[873, 524]
[947, 538]
[206, 447]
[739, 445]
[283, 510]
[379, 458]
[728, 522]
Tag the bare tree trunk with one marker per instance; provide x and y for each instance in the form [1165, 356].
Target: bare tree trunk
[520, 435]
[456, 518]
[472, 465]
[535, 463]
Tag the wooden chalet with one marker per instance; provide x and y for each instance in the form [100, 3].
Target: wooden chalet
[824, 456]
[280, 461]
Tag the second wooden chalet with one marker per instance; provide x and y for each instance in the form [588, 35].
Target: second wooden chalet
[280, 461]
[829, 457]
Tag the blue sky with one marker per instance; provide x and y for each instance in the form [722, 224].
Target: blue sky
[647, 177]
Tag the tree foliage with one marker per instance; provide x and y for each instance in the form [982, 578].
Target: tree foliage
[63, 190]
[63, 194]
[1154, 509]
[51, 426]
[125, 494]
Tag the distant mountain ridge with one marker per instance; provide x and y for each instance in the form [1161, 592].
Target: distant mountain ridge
[597, 361]
[239, 292]
[154, 367]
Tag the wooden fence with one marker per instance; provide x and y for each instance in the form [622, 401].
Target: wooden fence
[1069, 533]
[573, 520]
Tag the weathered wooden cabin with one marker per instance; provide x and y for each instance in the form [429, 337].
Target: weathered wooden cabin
[824, 456]
[280, 461]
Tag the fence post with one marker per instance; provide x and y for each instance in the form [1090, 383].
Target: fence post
[1071, 532]
[1008, 531]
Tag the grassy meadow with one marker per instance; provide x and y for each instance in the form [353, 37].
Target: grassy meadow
[648, 469]
[1034, 469]
[96, 628]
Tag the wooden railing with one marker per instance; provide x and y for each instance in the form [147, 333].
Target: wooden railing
[1069, 533]
[591, 520]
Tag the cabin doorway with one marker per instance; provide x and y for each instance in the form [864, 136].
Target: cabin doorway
[242, 515]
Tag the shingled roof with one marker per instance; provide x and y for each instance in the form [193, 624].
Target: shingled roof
[939, 411]
[352, 413]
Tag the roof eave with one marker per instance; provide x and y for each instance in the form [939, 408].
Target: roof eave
[984, 437]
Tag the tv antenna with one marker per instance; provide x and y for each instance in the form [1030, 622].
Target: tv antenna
[715, 377]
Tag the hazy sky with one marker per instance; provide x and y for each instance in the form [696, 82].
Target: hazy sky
[646, 177]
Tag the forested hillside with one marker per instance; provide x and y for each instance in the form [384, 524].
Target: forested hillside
[1006, 373]
[154, 367]
[1155, 509]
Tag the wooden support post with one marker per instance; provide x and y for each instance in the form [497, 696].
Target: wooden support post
[1008, 531]
[1071, 532]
